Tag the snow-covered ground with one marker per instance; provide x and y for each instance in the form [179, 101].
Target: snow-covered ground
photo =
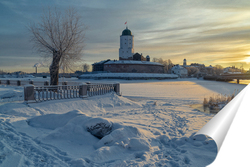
[151, 124]
[10, 93]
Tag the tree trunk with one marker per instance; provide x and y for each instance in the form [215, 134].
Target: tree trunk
[54, 68]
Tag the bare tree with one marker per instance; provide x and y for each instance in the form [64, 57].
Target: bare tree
[60, 36]
[166, 63]
[218, 69]
[85, 67]
[192, 71]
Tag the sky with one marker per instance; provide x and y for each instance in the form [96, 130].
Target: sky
[206, 32]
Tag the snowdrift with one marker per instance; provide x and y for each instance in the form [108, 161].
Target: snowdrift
[120, 142]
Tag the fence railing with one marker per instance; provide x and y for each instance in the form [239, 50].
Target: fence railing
[46, 93]
[99, 89]
[25, 82]
[55, 92]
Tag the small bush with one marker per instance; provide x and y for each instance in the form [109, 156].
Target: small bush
[218, 101]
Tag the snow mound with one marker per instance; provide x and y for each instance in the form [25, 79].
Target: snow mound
[18, 109]
[100, 140]
[121, 142]
[78, 163]
[138, 144]
[11, 93]
[128, 137]
[53, 121]
[113, 100]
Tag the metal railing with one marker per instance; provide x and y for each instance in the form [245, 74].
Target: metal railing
[47, 93]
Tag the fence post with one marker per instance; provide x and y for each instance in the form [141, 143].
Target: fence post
[29, 92]
[8, 82]
[65, 83]
[18, 83]
[46, 83]
[117, 88]
[83, 90]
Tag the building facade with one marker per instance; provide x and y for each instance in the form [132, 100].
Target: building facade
[138, 57]
[179, 70]
[99, 66]
[130, 66]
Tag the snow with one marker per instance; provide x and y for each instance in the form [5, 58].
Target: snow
[10, 93]
[151, 124]
[38, 65]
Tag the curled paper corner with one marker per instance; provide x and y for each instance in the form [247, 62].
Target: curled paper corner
[219, 125]
[229, 130]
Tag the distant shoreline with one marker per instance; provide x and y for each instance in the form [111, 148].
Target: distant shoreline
[242, 82]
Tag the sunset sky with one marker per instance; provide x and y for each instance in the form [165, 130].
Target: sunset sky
[207, 32]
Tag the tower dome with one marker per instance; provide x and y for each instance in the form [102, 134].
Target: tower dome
[126, 32]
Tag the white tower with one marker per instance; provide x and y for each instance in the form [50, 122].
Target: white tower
[184, 62]
[126, 50]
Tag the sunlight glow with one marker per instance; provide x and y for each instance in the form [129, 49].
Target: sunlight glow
[247, 60]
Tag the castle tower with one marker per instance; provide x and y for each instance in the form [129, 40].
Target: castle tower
[126, 50]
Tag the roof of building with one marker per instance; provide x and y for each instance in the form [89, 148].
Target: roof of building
[177, 67]
[133, 62]
[101, 62]
[126, 32]
[137, 54]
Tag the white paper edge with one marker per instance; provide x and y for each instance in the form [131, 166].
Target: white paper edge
[236, 145]
[219, 125]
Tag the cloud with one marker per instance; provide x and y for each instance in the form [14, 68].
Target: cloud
[209, 31]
